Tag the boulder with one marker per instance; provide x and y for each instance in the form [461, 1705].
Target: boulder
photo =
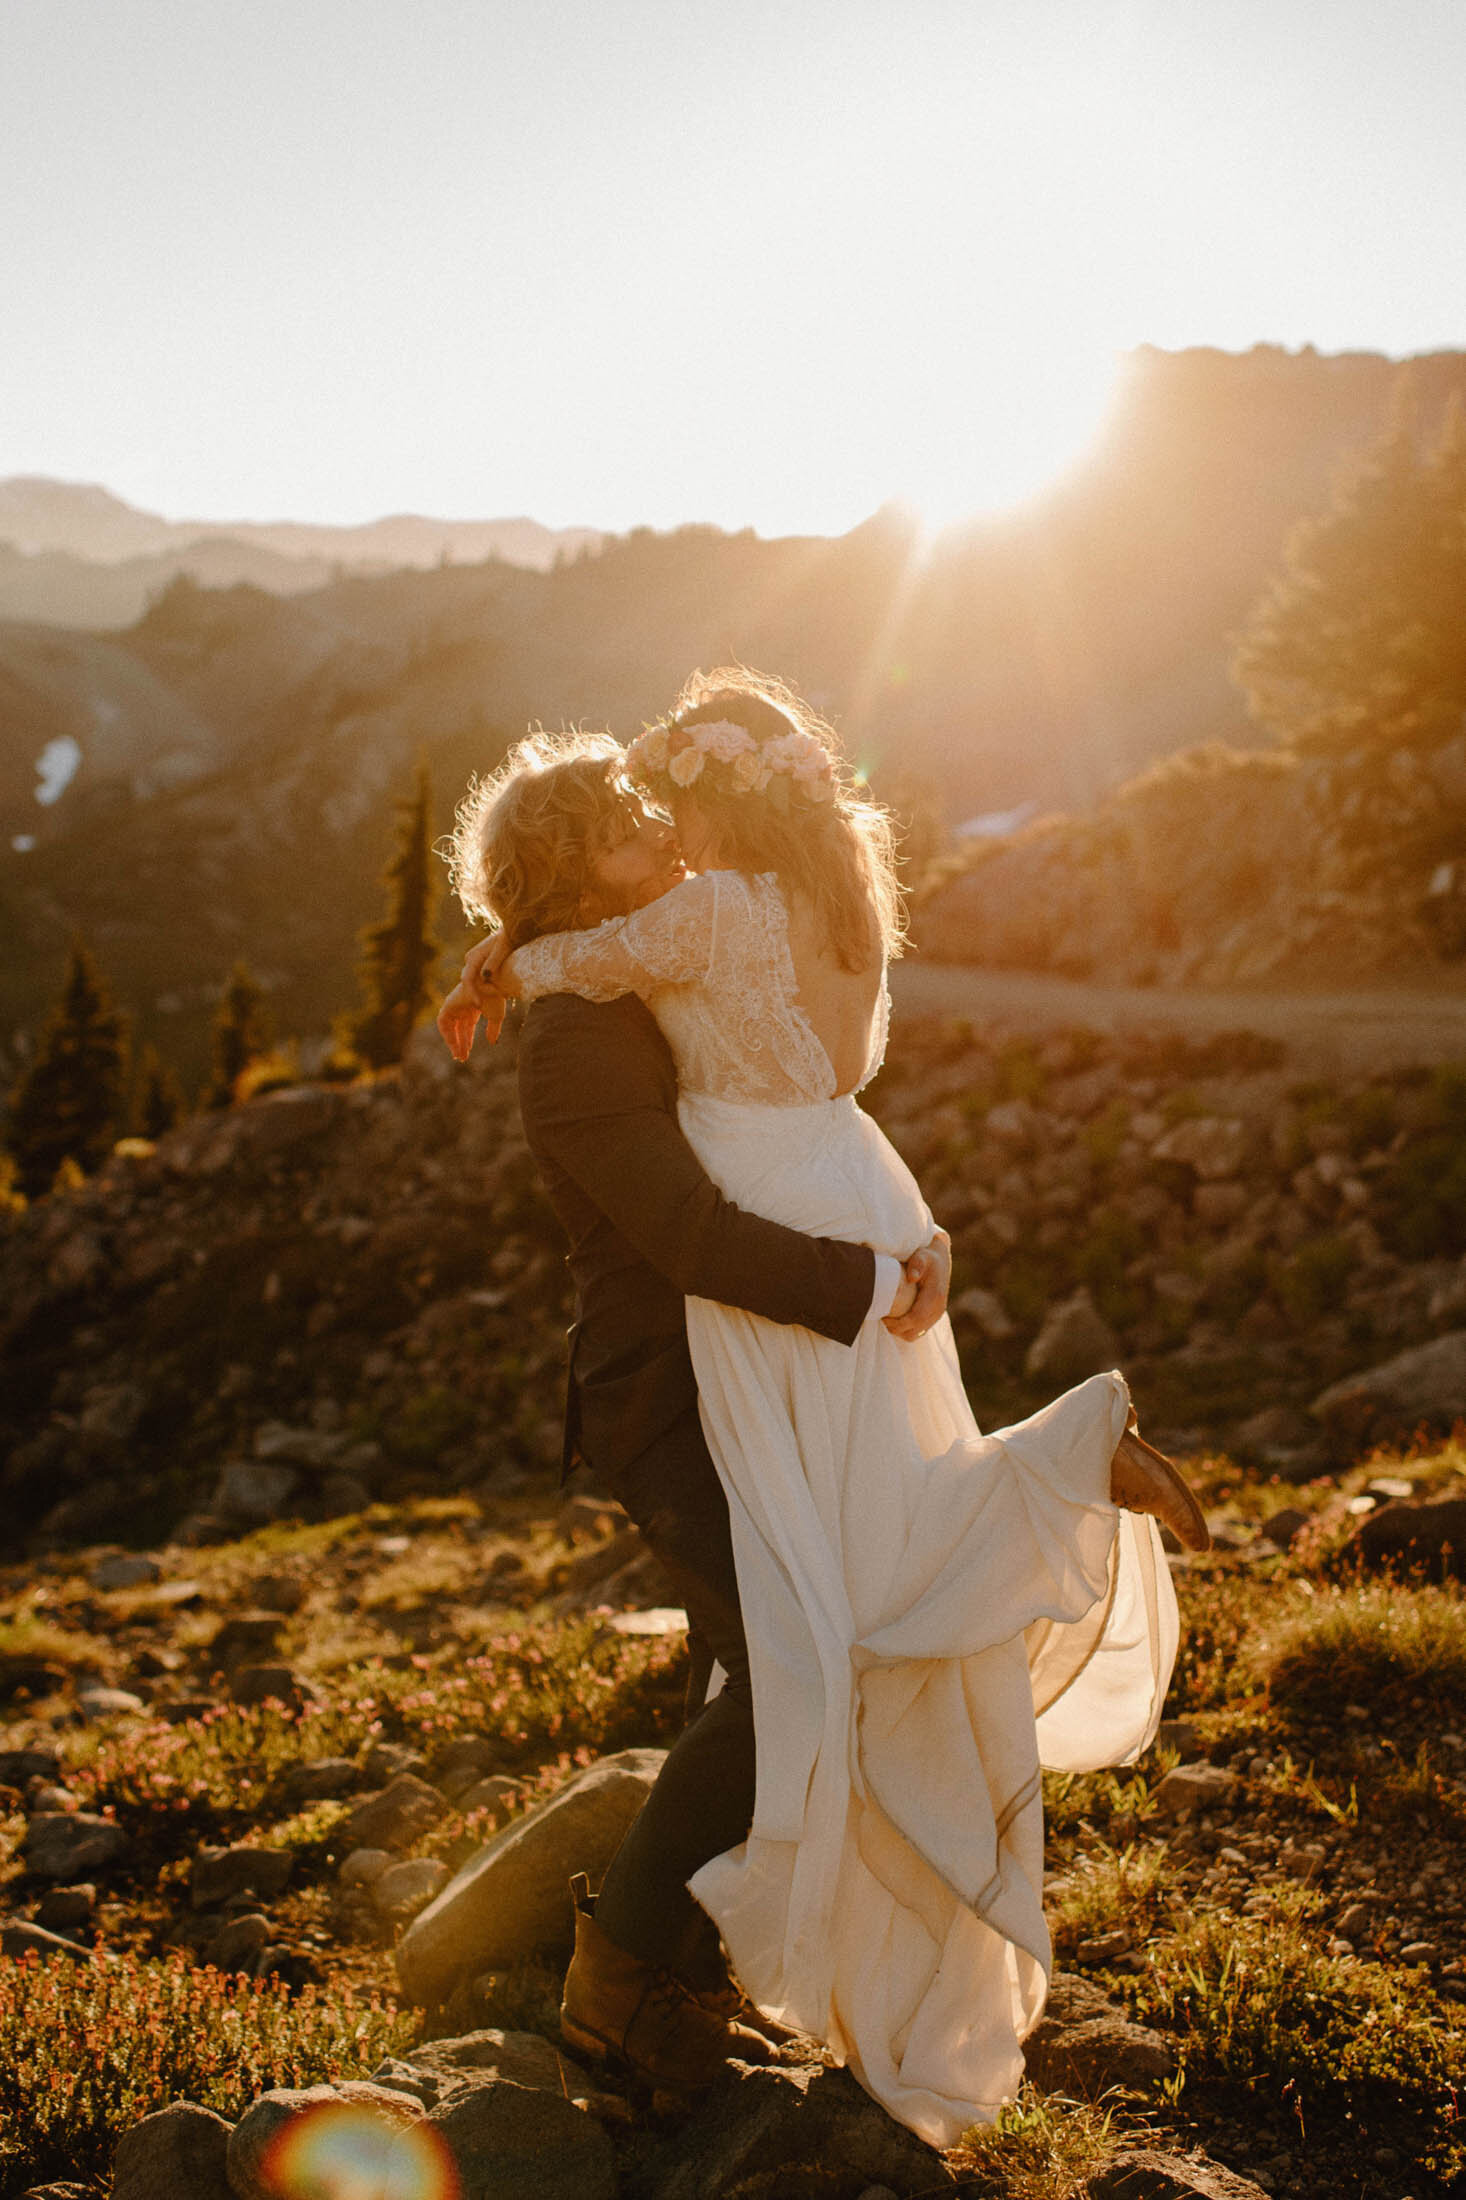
[515, 2142]
[251, 1491]
[17, 1766]
[758, 2122]
[237, 1946]
[1074, 1341]
[179, 2150]
[1429, 1538]
[513, 1897]
[363, 1867]
[1215, 1146]
[1143, 2173]
[62, 1844]
[108, 1703]
[257, 1684]
[1084, 2042]
[384, 1760]
[245, 1638]
[125, 1570]
[347, 2117]
[521, 2057]
[394, 1818]
[1425, 1387]
[61, 1909]
[221, 1874]
[322, 1780]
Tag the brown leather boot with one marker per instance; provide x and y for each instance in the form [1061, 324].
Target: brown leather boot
[640, 2015]
[1143, 1480]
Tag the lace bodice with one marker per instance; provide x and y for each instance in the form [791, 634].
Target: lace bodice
[712, 961]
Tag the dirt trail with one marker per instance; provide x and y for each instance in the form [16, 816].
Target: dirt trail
[1332, 1034]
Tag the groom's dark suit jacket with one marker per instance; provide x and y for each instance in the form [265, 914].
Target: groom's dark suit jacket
[648, 1228]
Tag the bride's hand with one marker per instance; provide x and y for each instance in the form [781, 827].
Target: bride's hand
[458, 1018]
[488, 969]
[928, 1277]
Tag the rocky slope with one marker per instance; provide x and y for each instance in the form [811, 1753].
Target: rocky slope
[335, 1294]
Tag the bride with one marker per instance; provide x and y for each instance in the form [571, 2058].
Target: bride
[932, 1614]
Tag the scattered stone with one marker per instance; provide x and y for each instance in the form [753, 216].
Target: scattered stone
[184, 1708]
[1178, 1734]
[62, 1844]
[1074, 1341]
[125, 1570]
[757, 2121]
[18, 1766]
[279, 1592]
[363, 1867]
[322, 1780]
[456, 1767]
[62, 1909]
[513, 1897]
[237, 1945]
[1214, 1146]
[178, 2151]
[1143, 2173]
[496, 1793]
[244, 1638]
[47, 1796]
[400, 1814]
[1354, 1922]
[221, 1874]
[1283, 1527]
[1084, 2042]
[108, 1703]
[385, 1760]
[404, 1889]
[257, 1684]
[250, 2141]
[1198, 1787]
[16, 1937]
[1276, 1429]
[1429, 1536]
[249, 1492]
[521, 2057]
[302, 1447]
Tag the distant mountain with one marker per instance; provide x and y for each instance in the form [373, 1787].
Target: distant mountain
[74, 554]
[221, 773]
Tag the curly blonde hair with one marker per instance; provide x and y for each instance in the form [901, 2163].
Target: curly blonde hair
[838, 854]
[524, 839]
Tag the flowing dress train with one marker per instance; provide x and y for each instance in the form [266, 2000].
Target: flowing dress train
[932, 1614]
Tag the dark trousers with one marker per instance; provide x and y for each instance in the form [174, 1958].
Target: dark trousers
[702, 1802]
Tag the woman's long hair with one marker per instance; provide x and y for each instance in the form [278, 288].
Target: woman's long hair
[838, 855]
[525, 837]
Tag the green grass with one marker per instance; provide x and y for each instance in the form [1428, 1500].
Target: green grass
[1042, 2147]
[1394, 1648]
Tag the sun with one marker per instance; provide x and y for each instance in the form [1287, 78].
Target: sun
[1014, 431]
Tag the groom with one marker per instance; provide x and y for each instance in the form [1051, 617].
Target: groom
[648, 1229]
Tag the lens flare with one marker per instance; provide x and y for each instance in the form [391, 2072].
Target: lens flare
[342, 2152]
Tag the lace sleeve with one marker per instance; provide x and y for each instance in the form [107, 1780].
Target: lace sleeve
[669, 943]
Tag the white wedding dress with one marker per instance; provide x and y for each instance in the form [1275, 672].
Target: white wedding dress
[932, 1614]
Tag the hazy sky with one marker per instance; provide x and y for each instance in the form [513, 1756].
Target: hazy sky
[652, 260]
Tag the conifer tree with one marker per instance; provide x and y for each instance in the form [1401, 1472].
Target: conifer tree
[159, 1102]
[1360, 645]
[70, 1103]
[399, 953]
[241, 1031]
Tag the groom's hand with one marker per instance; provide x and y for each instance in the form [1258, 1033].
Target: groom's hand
[929, 1269]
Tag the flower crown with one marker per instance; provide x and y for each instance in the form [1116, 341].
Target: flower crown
[794, 766]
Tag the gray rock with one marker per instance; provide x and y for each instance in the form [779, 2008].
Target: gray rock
[514, 2142]
[260, 2125]
[1423, 1387]
[404, 1889]
[496, 1793]
[1430, 1537]
[221, 1874]
[62, 1908]
[524, 2058]
[251, 1491]
[1084, 2042]
[756, 2122]
[1142, 2173]
[237, 1945]
[363, 1867]
[513, 1897]
[1074, 1341]
[125, 1570]
[322, 1780]
[178, 2151]
[384, 1760]
[403, 2077]
[1198, 1787]
[245, 1638]
[461, 1762]
[17, 1938]
[300, 1447]
[1214, 1146]
[17, 1766]
[394, 1818]
[108, 1703]
[257, 1684]
[62, 1844]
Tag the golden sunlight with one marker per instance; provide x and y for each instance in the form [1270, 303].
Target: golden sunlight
[1024, 423]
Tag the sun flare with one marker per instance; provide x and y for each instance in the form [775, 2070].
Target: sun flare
[1025, 425]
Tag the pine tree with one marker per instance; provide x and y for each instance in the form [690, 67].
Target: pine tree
[241, 1031]
[399, 953]
[159, 1102]
[70, 1104]
[1361, 643]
